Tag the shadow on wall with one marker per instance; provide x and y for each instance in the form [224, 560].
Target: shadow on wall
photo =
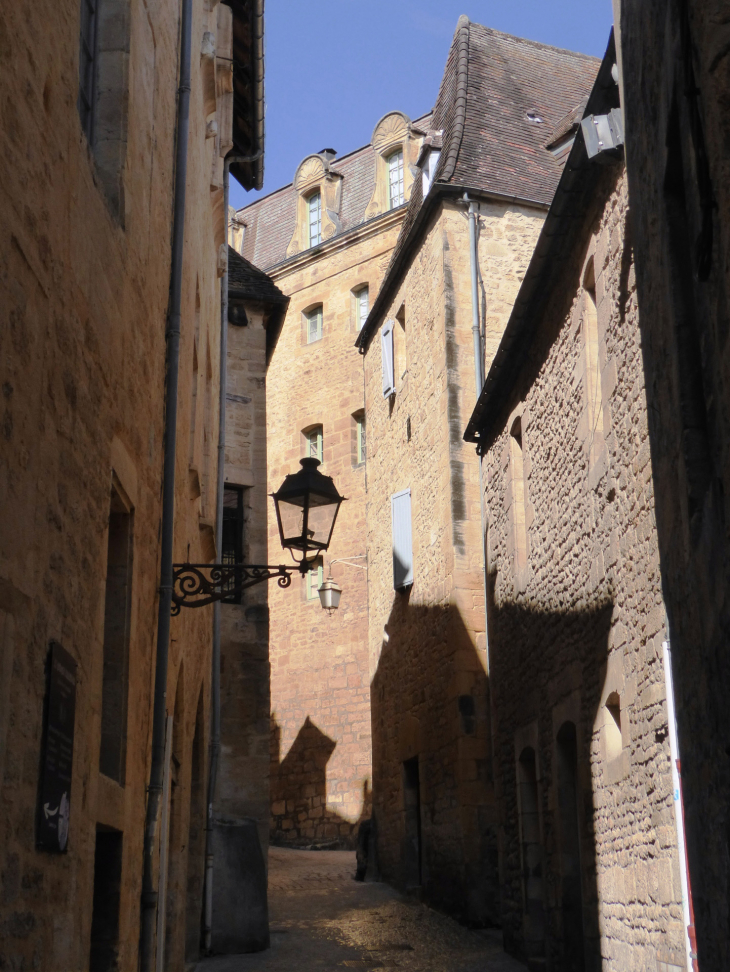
[300, 816]
[433, 795]
[548, 671]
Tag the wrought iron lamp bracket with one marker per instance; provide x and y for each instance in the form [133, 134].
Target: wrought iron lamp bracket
[197, 585]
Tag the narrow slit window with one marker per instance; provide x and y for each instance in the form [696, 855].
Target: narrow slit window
[314, 212]
[359, 443]
[362, 306]
[395, 179]
[518, 495]
[117, 610]
[594, 398]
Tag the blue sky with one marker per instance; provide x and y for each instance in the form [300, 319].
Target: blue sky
[334, 67]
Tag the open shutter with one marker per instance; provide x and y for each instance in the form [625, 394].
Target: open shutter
[386, 345]
[400, 505]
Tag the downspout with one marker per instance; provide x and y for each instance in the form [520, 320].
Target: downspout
[479, 382]
[150, 902]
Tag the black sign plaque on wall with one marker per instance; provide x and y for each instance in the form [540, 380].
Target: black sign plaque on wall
[57, 752]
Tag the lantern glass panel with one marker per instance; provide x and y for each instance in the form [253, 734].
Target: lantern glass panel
[322, 513]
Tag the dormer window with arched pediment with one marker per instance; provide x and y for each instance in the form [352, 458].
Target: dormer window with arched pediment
[319, 189]
[396, 143]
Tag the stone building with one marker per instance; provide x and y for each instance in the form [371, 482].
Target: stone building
[88, 135]
[676, 80]
[589, 866]
[325, 240]
[256, 309]
[495, 140]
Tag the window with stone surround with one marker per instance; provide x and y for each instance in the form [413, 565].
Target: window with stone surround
[314, 214]
[359, 450]
[395, 179]
[360, 305]
[232, 551]
[313, 442]
[313, 321]
[103, 92]
[315, 578]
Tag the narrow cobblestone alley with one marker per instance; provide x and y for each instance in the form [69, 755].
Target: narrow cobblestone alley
[322, 919]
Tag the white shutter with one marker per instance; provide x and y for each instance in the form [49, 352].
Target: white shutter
[386, 346]
[400, 506]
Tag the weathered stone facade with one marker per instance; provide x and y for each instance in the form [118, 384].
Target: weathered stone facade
[676, 88]
[590, 875]
[426, 647]
[321, 775]
[85, 278]
[433, 798]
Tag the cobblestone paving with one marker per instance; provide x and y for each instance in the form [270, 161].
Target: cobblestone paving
[321, 919]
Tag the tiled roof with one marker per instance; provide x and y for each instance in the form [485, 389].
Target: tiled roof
[246, 280]
[270, 221]
[500, 98]
[575, 201]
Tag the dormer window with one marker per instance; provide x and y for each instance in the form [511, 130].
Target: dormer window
[395, 179]
[429, 168]
[314, 211]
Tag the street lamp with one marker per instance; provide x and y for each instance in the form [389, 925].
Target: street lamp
[330, 592]
[307, 504]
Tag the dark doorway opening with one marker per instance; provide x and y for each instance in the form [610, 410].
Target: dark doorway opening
[532, 856]
[104, 950]
[412, 807]
[572, 898]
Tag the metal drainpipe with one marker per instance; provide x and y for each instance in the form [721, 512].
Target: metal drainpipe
[479, 381]
[149, 901]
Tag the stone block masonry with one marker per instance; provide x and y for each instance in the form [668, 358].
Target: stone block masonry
[589, 863]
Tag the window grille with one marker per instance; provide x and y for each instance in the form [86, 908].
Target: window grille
[400, 505]
[232, 545]
[314, 324]
[314, 442]
[395, 178]
[87, 67]
[314, 205]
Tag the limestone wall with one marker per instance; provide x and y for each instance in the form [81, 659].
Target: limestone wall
[320, 698]
[84, 283]
[427, 658]
[575, 634]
